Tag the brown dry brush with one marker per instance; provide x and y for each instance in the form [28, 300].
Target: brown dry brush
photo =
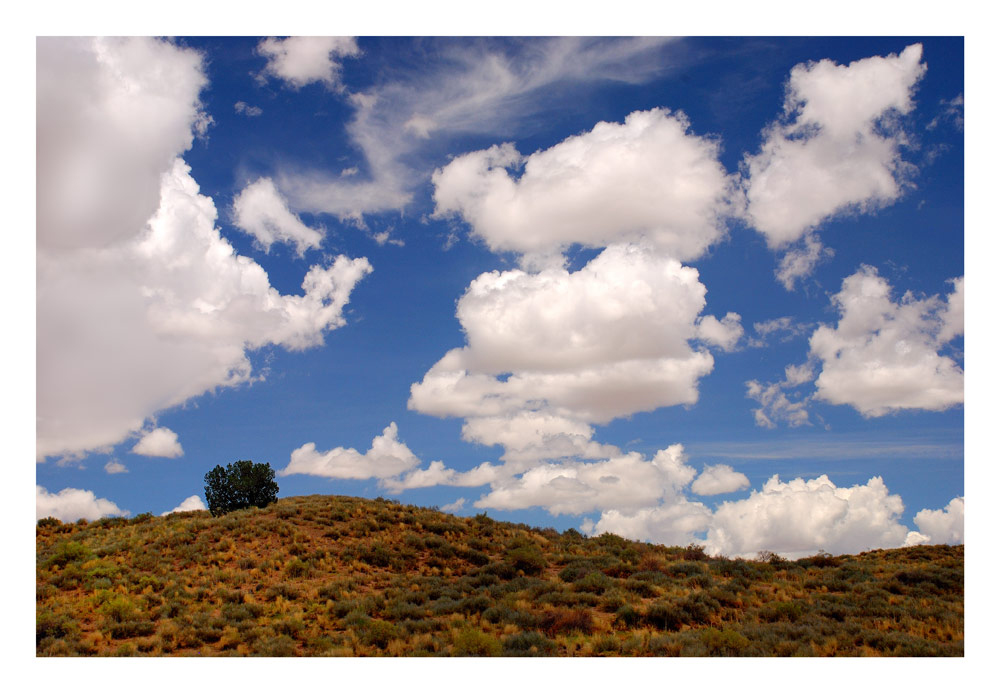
[341, 576]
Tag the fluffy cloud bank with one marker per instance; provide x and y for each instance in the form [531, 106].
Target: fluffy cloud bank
[302, 60]
[625, 482]
[883, 355]
[71, 504]
[802, 517]
[141, 304]
[647, 179]
[611, 339]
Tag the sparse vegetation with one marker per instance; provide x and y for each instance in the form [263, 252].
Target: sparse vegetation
[339, 576]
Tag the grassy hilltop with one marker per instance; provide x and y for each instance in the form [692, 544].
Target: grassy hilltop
[334, 575]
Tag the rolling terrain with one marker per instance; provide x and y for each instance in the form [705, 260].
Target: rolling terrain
[343, 576]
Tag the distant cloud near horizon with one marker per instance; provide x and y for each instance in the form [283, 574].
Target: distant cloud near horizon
[188, 504]
[72, 504]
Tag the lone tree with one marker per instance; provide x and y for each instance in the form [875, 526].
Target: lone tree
[240, 485]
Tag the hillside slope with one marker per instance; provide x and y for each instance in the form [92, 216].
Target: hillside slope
[334, 575]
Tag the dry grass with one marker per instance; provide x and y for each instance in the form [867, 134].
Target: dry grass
[340, 576]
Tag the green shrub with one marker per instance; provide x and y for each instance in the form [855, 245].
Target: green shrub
[695, 552]
[475, 557]
[577, 569]
[376, 555]
[377, 633]
[297, 568]
[820, 560]
[528, 559]
[685, 569]
[627, 618]
[595, 583]
[566, 621]
[504, 571]
[283, 590]
[289, 626]
[724, 643]
[123, 620]
[529, 644]
[66, 552]
[606, 644]
[663, 616]
[280, 646]
[790, 612]
[474, 643]
[52, 625]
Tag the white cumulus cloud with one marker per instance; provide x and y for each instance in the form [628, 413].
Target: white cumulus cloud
[609, 340]
[802, 517]
[388, 457]
[159, 442]
[719, 478]
[111, 116]
[301, 60]
[528, 436]
[945, 526]
[262, 212]
[647, 179]
[675, 524]
[885, 355]
[626, 482]
[71, 504]
[437, 474]
[837, 147]
[141, 304]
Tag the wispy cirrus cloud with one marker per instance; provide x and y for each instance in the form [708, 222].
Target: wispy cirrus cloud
[486, 86]
[828, 446]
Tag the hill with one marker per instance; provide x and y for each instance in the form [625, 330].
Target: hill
[335, 575]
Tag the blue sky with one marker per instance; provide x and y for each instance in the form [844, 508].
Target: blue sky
[705, 289]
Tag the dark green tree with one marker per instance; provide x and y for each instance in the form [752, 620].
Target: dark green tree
[241, 484]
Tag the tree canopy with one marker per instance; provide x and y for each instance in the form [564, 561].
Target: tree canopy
[241, 484]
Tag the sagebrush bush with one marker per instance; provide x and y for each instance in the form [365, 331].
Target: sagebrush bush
[474, 643]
